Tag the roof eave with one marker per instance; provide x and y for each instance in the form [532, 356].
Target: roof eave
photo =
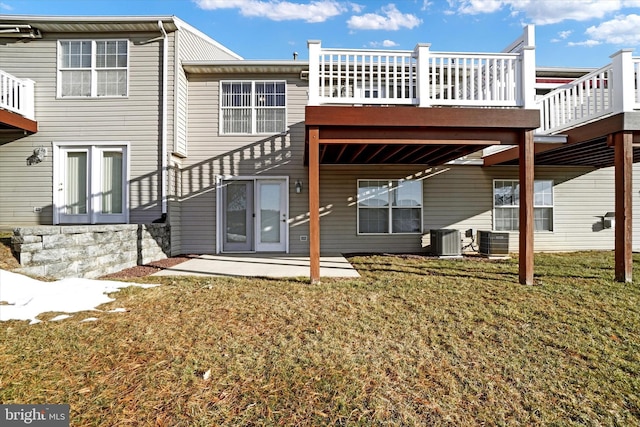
[245, 66]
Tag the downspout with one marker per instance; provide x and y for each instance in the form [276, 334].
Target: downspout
[165, 166]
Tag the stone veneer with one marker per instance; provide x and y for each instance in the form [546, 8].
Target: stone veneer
[88, 251]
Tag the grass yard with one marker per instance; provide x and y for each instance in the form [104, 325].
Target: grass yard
[415, 341]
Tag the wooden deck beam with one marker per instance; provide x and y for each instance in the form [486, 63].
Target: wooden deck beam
[623, 146]
[526, 168]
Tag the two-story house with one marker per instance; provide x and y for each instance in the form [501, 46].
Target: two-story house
[135, 119]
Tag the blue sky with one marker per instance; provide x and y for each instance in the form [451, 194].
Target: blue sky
[574, 33]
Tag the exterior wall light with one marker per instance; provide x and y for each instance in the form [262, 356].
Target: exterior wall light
[298, 186]
[609, 220]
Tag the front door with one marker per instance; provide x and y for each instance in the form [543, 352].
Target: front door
[254, 215]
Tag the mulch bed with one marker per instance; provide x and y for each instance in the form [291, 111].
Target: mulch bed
[148, 269]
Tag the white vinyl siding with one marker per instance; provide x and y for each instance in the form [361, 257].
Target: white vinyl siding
[93, 68]
[253, 107]
[389, 206]
[506, 203]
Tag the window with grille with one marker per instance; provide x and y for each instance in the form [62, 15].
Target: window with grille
[506, 203]
[389, 206]
[93, 68]
[253, 107]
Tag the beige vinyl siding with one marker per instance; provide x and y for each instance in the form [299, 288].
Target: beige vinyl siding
[190, 47]
[133, 119]
[211, 154]
[461, 197]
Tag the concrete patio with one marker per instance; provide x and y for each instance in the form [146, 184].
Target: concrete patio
[260, 265]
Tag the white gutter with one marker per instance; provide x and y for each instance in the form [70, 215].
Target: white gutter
[163, 137]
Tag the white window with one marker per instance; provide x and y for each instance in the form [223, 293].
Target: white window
[253, 107]
[389, 206]
[93, 68]
[90, 184]
[506, 203]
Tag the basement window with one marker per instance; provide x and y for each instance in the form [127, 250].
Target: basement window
[389, 206]
[506, 205]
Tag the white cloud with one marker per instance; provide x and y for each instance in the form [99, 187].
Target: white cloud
[389, 19]
[587, 43]
[544, 12]
[562, 35]
[426, 4]
[280, 10]
[5, 6]
[565, 34]
[356, 8]
[474, 7]
[384, 43]
[622, 30]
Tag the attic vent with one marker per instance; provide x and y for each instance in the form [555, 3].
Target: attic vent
[304, 75]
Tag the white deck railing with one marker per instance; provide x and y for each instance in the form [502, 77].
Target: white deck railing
[17, 95]
[422, 77]
[609, 90]
[580, 101]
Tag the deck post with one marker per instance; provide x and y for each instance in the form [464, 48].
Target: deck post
[421, 53]
[315, 48]
[314, 203]
[623, 152]
[622, 79]
[526, 170]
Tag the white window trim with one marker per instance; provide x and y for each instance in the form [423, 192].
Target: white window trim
[254, 126]
[552, 206]
[94, 188]
[94, 70]
[390, 207]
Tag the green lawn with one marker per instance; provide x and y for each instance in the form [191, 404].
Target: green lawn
[415, 341]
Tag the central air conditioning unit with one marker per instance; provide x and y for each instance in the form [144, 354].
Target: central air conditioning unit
[493, 243]
[446, 242]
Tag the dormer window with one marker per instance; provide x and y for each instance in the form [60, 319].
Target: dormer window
[93, 68]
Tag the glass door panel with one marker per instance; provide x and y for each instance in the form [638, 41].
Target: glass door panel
[74, 186]
[271, 216]
[112, 183]
[238, 216]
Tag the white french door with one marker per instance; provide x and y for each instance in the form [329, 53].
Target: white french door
[90, 184]
[253, 215]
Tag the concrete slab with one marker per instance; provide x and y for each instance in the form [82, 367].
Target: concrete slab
[260, 265]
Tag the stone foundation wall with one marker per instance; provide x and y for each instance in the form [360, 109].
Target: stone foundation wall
[88, 251]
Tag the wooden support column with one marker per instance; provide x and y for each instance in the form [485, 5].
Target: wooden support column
[314, 203]
[623, 147]
[526, 168]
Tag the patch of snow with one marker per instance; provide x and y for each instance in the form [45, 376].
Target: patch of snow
[118, 310]
[90, 319]
[60, 317]
[28, 297]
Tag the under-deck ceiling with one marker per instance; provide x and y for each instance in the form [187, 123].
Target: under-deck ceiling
[597, 154]
[432, 154]
[410, 135]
